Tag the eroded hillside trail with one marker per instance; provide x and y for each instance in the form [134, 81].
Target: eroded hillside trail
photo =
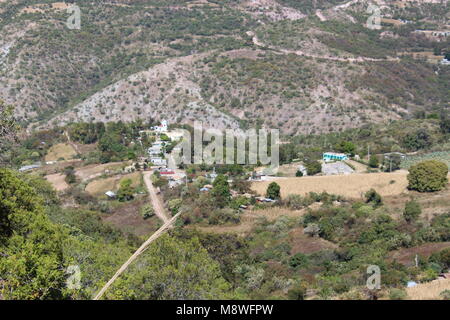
[319, 14]
[74, 145]
[259, 43]
[157, 205]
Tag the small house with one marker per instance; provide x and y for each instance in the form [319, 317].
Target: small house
[331, 156]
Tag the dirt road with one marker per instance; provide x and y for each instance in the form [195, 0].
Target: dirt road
[157, 205]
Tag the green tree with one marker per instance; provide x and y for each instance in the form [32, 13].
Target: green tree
[416, 140]
[221, 191]
[346, 147]
[126, 192]
[428, 176]
[31, 259]
[412, 210]
[273, 191]
[313, 167]
[373, 161]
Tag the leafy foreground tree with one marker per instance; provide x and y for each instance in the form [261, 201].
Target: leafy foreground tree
[428, 176]
[31, 257]
[172, 269]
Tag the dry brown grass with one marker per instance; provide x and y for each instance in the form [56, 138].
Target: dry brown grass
[100, 186]
[96, 170]
[429, 290]
[349, 186]
[57, 181]
[60, 150]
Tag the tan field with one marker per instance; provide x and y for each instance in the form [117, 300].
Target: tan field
[57, 181]
[95, 170]
[100, 186]
[429, 290]
[60, 150]
[350, 186]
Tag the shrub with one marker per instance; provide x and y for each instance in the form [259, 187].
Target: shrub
[312, 230]
[299, 173]
[313, 167]
[298, 260]
[428, 176]
[374, 162]
[147, 211]
[397, 294]
[125, 192]
[373, 198]
[445, 295]
[298, 292]
[412, 211]
[273, 191]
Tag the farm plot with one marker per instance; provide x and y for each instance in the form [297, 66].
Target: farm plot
[60, 151]
[100, 186]
[57, 181]
[349, 186]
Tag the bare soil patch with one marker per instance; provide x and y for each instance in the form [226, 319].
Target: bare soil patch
[57, 181]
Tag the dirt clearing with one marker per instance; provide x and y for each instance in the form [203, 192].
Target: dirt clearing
[57, 181]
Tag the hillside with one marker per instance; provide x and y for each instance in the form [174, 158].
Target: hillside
[303, 67]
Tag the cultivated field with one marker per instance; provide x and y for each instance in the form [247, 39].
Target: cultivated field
[100, 186]
[96, 170]
[57, 181]
[60, 151]
[429, 290]
[350, 186]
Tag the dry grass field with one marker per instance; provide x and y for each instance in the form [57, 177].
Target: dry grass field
[57, 181]
[96, 170]
[60, 150]
[349, 186]
[100, 186]
[429, 290]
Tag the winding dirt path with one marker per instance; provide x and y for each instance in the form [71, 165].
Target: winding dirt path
[259, 43]
[137, 253]
[156, 202]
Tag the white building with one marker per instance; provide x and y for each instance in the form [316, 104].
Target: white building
[158, 161]
[163, 128]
